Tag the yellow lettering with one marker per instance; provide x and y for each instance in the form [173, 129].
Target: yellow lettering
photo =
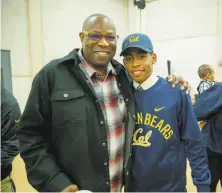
[147, 137]
[139, 118]
[153, 121]
[147, 119]
[168, 135]
[165, 129]
[136, 133]
[160, 124]
[141, 141]
[134, 39]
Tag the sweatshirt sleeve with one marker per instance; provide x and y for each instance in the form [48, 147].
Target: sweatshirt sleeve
[194, 146]
[208, 102]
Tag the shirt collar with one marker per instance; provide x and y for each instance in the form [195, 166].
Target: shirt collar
[205, 80]
[149, 82]
[92, 71]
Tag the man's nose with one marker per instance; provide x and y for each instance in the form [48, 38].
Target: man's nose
[135, 63]
[103, 42]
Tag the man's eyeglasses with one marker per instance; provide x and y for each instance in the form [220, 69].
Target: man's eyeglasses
[99, 36]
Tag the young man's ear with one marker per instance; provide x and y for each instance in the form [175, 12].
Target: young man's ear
[207, 75]
[154, 56]
[123, 62]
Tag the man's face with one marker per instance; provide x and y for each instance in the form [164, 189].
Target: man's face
[139, 64]
[211, 74]
[99, 42]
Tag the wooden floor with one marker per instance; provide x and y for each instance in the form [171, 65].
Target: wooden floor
[22, 185]
[19, 176]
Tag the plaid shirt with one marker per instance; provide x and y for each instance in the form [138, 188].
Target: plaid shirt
[204, 85]
[114, 111]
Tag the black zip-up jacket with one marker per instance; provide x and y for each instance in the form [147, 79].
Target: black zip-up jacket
[62, 136]
[10, 115]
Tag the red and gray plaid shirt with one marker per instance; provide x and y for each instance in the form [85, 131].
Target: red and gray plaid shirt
[114, 111]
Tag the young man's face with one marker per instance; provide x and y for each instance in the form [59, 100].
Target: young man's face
[139, 64]
[211, 74]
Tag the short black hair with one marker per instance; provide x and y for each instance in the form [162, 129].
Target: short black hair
[203, 70]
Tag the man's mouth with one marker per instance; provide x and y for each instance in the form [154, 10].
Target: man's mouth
[137, 73]
[102, 53]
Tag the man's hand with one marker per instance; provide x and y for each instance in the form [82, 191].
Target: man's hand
[71, 188]
[201, 124]
[177, 80]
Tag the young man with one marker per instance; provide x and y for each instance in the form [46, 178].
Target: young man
[206, 74]
[76, 130]
[166, 130]
[208, 106]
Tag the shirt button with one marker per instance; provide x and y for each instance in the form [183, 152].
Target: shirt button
[127, 173]
[107, 183]
[105, 164]
[101, 122]
[87, 81]
[103, 144]
[120, 84]
[65, 95]
[127, 100]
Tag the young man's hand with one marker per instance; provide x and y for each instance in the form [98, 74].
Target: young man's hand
[71, 188]
[177, 80]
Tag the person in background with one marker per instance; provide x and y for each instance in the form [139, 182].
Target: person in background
[208, 106]
[76, 129]
[10, 115]
[166, 131]
[206, 74]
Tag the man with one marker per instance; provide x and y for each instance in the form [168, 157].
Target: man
[206, 74]
[76, 130]
[166, 131]
[10, 115]
[208, 106]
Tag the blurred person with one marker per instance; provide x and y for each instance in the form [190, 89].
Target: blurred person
[209, 107]
[166, 131]
[206, 74]
[10, 115]
[76, 129]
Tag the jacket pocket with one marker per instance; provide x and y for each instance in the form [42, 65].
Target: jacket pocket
[68, 108]
[66, 95]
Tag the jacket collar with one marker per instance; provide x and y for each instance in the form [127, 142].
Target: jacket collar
[73, 55]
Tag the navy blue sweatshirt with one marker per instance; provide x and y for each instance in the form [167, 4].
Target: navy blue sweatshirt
[166, 134]
[209, 107]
